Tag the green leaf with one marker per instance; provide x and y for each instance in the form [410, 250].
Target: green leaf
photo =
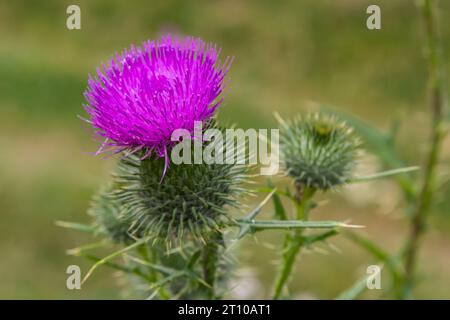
[293, 224]
[252, 215]
[285, 193]
[383, 174]
[280, 213]
[159, 284]
[194, 259]
[319, 237]
[156, 267]
[354, 291]
[116, 266]
[112, 256]
[76, 226]
[91, 246]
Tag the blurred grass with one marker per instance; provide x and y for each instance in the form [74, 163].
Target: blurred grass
[286, 54]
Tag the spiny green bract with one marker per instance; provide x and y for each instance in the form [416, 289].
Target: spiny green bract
[189, 203]
[106, 210]
[318, 151]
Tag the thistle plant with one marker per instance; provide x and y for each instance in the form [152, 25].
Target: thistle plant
[318, 153]
[174, 218]
[172, 224]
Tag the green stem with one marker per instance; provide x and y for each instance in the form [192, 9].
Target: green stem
[210, 260]
[147, 256]
[293, 241]
[437, 105]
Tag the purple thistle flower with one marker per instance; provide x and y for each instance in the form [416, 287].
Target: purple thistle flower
[147, 92]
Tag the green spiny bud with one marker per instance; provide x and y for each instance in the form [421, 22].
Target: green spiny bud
[188, 204]
[318, 151]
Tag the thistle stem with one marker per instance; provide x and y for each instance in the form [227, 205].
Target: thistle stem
[293, 241]
[210, 260]
[437, 106]
[151, 273]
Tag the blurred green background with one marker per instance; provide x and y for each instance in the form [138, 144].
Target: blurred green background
[287, 54]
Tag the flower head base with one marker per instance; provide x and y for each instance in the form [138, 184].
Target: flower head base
[189, 205]
[147, 92]
[318, 151]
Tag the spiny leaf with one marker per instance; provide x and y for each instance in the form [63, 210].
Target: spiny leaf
[252, 215]
[319, 237]
[285, 193]
[354, 291]
[294, 224]
[153, 266]
[383, 174]
[76, 226]
[79, 250]
[112, 256]
[116, 266]
[156, 286]
[280, 213]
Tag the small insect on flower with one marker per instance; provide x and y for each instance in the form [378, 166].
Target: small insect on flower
[145, 93]
[318, 151]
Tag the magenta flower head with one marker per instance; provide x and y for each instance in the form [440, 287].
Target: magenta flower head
[145, 93]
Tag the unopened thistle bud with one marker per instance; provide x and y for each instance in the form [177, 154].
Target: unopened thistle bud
[318, 151]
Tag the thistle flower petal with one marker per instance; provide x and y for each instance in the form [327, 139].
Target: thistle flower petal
[145, 93]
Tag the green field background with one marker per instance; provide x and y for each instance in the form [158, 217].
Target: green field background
[289, 56]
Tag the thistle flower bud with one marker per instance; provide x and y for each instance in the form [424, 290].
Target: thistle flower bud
[318, 151]
[189, 204]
